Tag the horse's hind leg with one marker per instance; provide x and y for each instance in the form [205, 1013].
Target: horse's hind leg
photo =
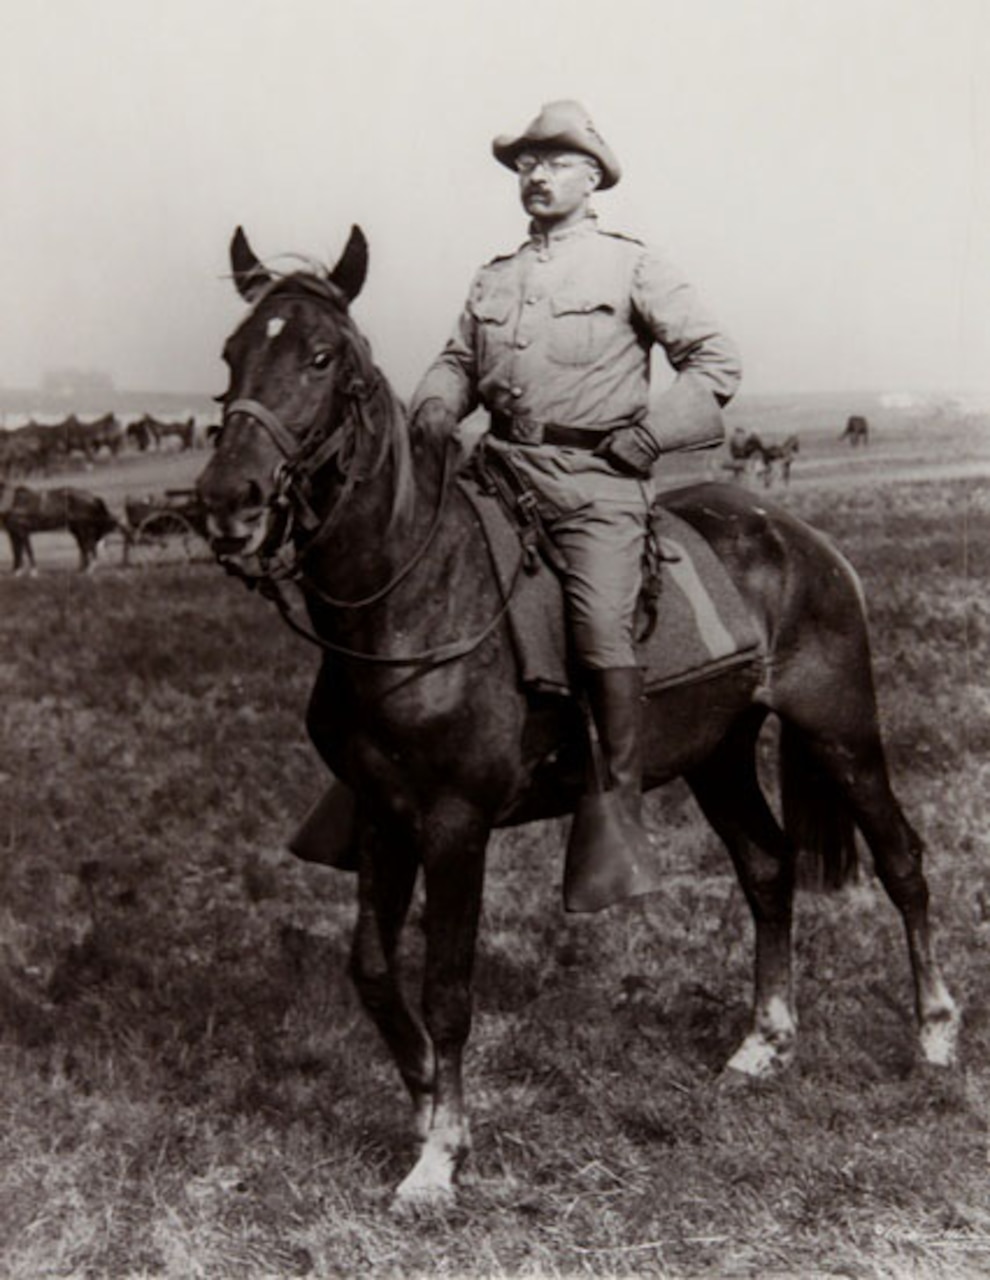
[24, 562]
[727, 789]
[826, 698]
[856, 764]
[16, 554]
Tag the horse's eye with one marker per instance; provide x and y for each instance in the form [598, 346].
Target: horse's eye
[322, 359]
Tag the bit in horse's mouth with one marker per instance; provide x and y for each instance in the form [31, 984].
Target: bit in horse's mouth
[241, 537]
[225, 547]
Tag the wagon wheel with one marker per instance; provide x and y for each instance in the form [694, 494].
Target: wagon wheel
[164, 537]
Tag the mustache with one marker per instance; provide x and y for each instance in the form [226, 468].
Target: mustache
[536, 189]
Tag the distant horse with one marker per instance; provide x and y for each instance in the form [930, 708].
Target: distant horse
[88, 438]
[776, 460]
[31, 449]
[26, 511]
[139, 434]
[744, 449]
[857, 431]
[317, 478]
[148, 429]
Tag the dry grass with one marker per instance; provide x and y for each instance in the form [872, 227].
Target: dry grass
[188, 1087]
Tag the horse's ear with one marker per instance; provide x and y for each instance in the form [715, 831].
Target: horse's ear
[250, 276]
[352, 266]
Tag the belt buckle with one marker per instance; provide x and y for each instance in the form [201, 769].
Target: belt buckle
[526, 431]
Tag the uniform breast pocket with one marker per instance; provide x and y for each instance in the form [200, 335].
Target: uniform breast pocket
[492, 311]
[578, 329]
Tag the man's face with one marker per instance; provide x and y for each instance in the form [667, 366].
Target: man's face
[554, 186]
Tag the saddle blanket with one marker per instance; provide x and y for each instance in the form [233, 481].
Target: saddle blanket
[702, 624]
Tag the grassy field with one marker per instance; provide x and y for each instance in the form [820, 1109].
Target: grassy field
[188, 1087]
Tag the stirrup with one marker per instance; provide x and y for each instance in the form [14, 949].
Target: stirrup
[326, 834]
[610, 856]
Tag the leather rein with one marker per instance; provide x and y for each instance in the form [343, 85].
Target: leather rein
[291, 504]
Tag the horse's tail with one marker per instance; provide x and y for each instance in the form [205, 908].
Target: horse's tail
[817, 817]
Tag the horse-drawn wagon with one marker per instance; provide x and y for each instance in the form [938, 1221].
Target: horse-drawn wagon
[166, 528]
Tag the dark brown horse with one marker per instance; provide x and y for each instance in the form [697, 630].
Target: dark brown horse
[26, 511]
[317, 478]
[744, 448]
[88, 438]
[148, 430]
[857, 431]
[777, 457]
[139, 434]
[32, 449]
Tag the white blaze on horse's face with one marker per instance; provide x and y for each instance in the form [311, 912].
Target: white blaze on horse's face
[275, 326]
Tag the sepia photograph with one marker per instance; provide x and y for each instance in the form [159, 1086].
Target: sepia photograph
[495, 609]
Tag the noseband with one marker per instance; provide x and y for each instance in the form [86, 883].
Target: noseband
[280, 436]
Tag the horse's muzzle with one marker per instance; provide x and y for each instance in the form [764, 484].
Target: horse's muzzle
[238, 535]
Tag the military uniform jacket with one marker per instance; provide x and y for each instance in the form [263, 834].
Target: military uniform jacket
[561, 332]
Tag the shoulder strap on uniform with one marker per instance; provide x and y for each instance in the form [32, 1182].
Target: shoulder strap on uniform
[620, 235]
[503, 257]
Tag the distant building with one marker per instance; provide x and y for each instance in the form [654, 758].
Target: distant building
[945, 406]
[901, 400]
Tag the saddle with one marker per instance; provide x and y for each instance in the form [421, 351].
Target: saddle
[692, 621]
[694, 624]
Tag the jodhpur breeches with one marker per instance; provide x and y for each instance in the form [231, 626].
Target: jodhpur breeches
[598, 520]
[603, 548]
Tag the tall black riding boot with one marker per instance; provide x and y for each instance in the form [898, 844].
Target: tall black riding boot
[609, 855]
[616, 698]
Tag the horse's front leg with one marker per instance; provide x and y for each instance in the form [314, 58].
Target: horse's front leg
[386, 879]
[454, 841]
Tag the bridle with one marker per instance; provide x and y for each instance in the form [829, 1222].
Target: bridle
[298, 530]
[303, 456]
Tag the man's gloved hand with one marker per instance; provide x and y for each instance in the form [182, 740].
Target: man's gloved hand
[631, 450]
[434, 418]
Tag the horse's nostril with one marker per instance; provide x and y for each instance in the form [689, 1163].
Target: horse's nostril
[253, 497]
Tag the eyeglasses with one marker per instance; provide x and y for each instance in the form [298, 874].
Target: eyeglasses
[528, 162]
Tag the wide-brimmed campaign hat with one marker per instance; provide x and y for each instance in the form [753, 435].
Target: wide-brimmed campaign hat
[564, 124]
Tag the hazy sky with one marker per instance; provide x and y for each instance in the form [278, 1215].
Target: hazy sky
[821, 168]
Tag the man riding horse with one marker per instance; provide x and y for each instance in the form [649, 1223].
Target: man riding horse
[554, 341]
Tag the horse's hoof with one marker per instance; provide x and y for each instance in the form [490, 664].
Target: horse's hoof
[940, 1039]
[758, 1058]
[411, 1202]
[428, 1187]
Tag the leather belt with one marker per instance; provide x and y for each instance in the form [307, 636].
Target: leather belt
[526, 431]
